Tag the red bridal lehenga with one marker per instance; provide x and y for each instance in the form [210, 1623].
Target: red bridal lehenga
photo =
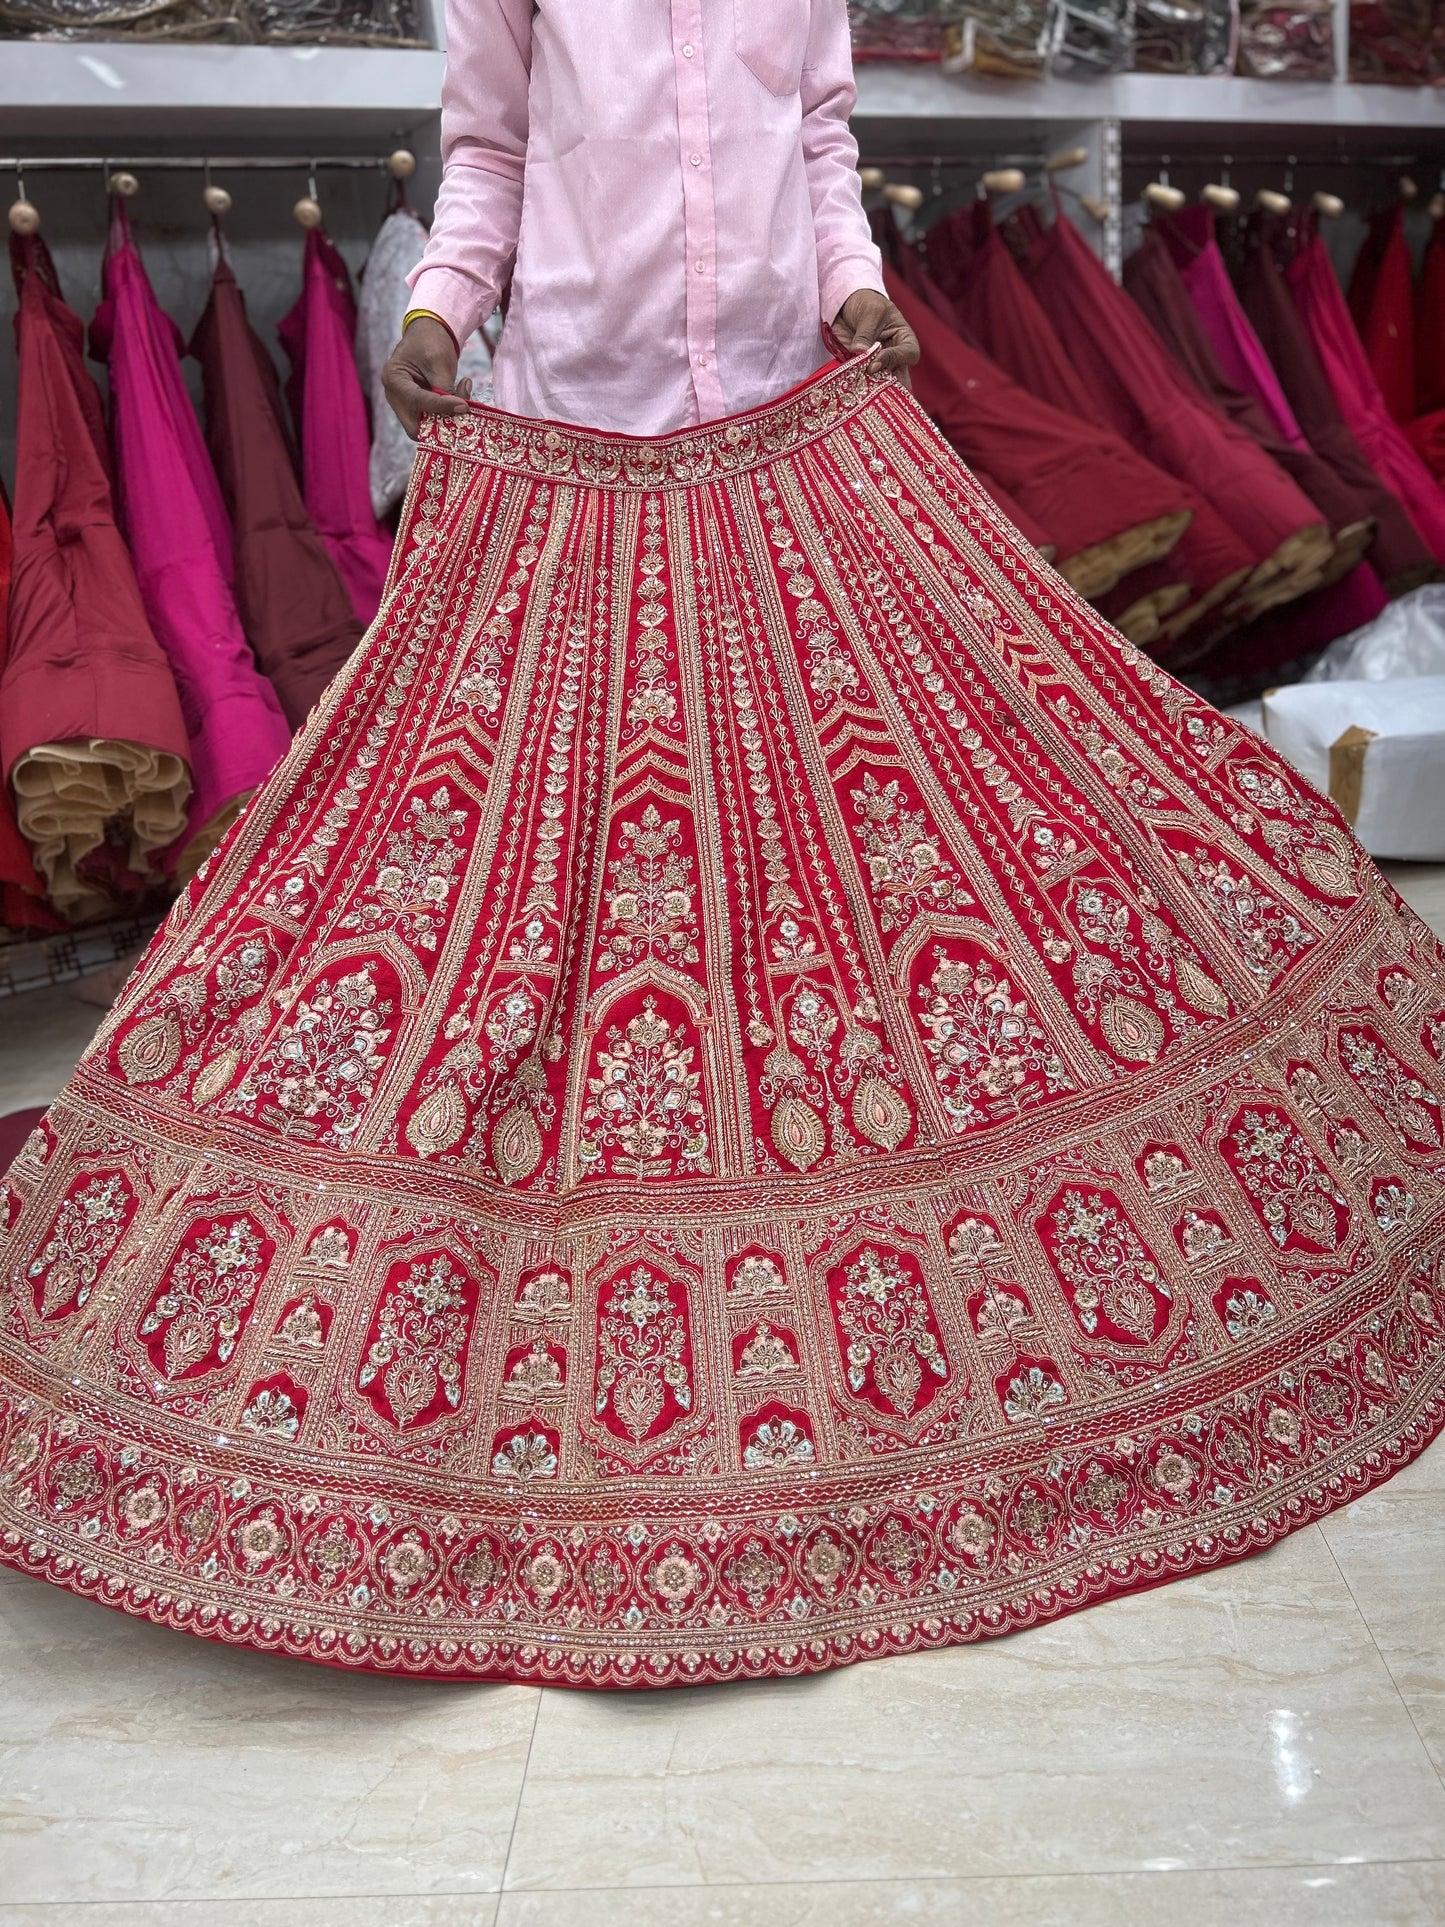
[759, 1088]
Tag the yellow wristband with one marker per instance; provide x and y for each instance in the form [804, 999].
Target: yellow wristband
[428, 314]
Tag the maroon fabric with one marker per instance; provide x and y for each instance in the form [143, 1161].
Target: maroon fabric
[999, 311]
[1149, 401]
[1153, 282]
[1430, 324]
[1065, 474]
[1399, 554]
[972, 262]
[83, 661]
[294, 606]
[1382, 303]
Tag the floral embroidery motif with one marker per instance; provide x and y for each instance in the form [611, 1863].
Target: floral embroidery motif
[1395, 1091]
[324, 1062]
[906, 867]
[86, 1230]
[417, 874]
[1296, 1199]
[887, 1332]
[1266, 935]
[984, 1042]
[765, 1352]
[645, 1105]
[644, 1356]
[650, 897]
[414, 1360]
[1111, 1280]
[1030, 1393]
[524, 1455]
[196, 1317]
[776, 1441]
[654, 698]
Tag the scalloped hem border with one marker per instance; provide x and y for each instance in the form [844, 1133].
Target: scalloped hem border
[546, 1661]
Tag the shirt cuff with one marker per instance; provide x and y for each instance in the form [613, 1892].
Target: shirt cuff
[846, 277]
[455, 299]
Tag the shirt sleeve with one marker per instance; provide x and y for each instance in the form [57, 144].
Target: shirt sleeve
[847, 258]
[484, 145]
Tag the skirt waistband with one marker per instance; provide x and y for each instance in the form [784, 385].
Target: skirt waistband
[600, 458]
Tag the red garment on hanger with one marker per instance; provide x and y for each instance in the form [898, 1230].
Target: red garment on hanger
[1399, 554]
[1321, 305]
[329, 410]
[294, 606]
[1382, 302]
[22, 889]
[1153, 282]
[1148, 400]
[90, 718]
[1067, 476]
[1430, 324]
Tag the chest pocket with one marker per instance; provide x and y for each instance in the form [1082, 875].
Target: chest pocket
[771, 37]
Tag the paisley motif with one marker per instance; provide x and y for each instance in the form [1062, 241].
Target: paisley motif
[760, 1088]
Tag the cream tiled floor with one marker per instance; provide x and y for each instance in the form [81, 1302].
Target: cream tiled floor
[1264, 1744]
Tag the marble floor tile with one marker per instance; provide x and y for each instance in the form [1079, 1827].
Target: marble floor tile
[138, 1764]
[42, 1033]
[1408, 1895]
[1390, 1546]
[1241, 1718]
[1422, 885]
[370, 1910]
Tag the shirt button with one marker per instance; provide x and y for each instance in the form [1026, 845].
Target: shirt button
[696, 159]
[687, 51]
[702, 361]
[702, 267]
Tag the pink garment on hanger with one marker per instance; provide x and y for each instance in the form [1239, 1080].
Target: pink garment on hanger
[329, 410]
[174, 520]
[1190, 237]
[1322, 308]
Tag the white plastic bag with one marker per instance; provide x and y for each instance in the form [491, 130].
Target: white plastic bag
[1406, 639]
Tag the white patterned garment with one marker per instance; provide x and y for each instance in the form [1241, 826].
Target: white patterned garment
[385, 297]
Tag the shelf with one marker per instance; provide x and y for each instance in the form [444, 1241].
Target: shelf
[902, 93]
[127, 91]
[53, 92]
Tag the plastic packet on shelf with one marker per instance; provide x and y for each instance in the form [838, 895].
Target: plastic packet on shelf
[896, 29]
[1398, 42]
[1185, 36]
[1293, 42]
[1006, 39]
[1097, 38]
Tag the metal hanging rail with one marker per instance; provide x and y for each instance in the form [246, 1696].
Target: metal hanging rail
[192, 163]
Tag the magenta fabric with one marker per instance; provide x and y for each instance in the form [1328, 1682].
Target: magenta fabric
[1321, 304]
[174, 520]
[330, 412]
[1191, 240]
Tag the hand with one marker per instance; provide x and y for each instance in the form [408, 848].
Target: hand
[867, 318]
[423, 360]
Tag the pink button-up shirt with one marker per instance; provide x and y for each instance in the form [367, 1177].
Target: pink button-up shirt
[677, 185]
